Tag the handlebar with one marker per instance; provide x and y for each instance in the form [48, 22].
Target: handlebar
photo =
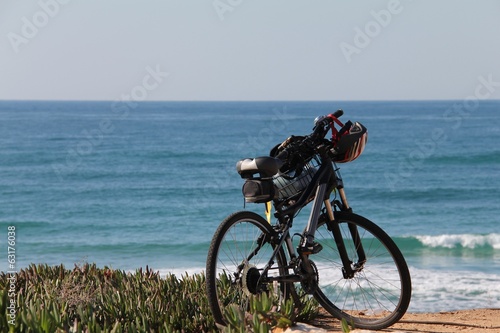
[308, 144]
[322, 121]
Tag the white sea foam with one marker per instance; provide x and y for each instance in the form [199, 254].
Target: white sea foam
[432, 290]
[465, 240]
[181, 271]
[453, 290]
[444, 290]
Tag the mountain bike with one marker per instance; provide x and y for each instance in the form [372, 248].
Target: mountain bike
[351, 267]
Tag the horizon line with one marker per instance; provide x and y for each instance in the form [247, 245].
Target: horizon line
[240, 100]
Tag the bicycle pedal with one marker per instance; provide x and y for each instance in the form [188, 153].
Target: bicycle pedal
[310, 248]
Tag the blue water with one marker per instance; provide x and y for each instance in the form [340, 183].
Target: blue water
[133, 185]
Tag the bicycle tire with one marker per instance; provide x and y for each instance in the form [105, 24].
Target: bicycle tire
[379, 294]
[235, 238]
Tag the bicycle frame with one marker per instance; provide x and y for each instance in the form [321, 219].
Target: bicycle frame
[255, 255]
[326, 179]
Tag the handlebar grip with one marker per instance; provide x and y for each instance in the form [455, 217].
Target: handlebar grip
[283, 155]
[338, 113]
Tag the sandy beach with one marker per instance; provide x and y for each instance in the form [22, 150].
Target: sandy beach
[470, 321]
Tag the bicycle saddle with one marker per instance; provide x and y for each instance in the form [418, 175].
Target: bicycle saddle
[266, 166]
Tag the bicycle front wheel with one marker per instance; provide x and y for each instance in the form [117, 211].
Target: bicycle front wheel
[378, 294]
[241, 247]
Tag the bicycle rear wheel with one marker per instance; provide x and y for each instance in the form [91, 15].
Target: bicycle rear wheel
[379, 293]
[240, 249]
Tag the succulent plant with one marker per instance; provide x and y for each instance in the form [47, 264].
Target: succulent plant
[91, 299]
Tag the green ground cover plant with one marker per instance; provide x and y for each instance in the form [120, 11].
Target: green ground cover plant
[91, 299]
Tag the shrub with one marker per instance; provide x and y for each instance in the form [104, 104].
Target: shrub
[91, 299]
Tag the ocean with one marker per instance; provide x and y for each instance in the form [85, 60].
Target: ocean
[125, 184]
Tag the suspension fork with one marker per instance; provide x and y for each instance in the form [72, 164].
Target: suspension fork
[353, 229]
[349, 267]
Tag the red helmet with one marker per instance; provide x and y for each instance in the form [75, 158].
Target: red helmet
[349, 142]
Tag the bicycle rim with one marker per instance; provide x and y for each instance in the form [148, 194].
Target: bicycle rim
[379, 293]
[233, 274]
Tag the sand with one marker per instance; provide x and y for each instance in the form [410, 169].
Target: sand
[467, 321]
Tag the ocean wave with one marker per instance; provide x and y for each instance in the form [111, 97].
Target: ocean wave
[470, 241]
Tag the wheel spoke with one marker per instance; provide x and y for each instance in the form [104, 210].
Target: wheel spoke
[236, 258]
[379, 292]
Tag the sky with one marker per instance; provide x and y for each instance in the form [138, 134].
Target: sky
[248, 49]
